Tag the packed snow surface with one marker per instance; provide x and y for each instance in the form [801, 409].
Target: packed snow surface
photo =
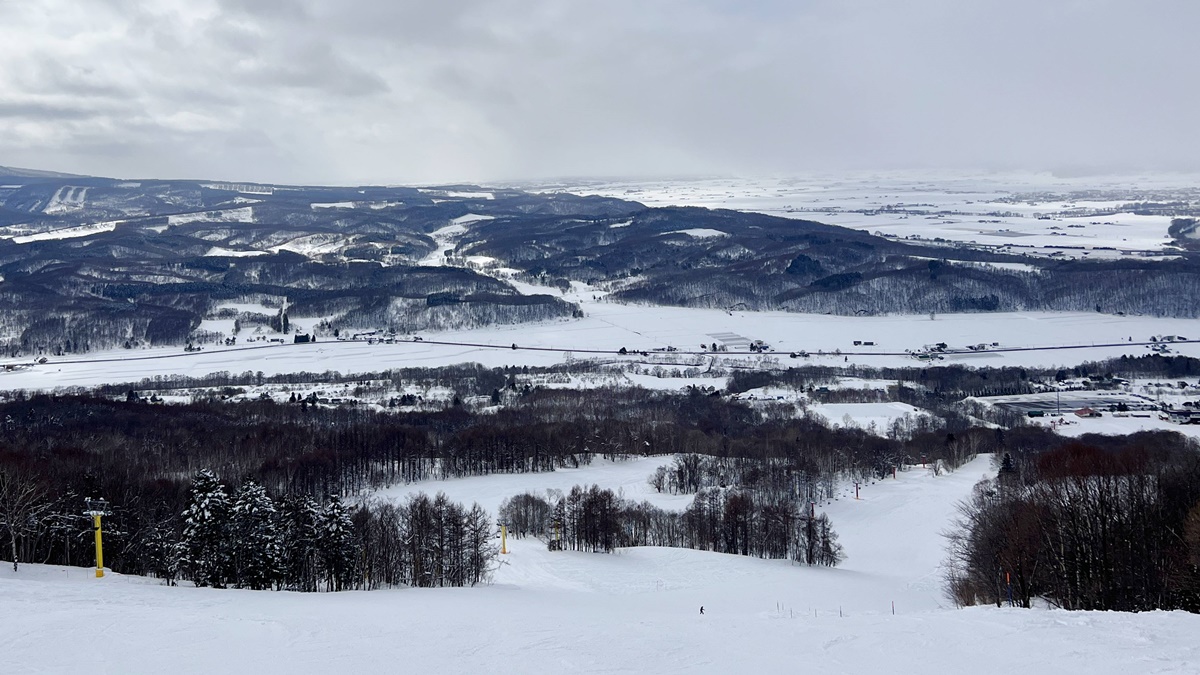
[632, 612]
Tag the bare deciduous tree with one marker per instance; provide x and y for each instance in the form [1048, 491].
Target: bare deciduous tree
[22, 501]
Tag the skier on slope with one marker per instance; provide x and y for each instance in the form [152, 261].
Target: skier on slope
[701, 609]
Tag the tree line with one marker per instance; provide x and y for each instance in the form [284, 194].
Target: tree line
[140, 456]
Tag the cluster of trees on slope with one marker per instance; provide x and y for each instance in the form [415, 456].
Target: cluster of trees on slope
[424, 542]
[243, 538]
[741, 522]
[779, 477]
[1105, 523]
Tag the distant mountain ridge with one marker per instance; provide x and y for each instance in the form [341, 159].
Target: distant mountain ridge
[88, 263]
[16, 172]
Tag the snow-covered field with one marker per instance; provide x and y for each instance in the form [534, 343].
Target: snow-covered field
[86, 230]
[874, 416]
[608, 327]
[632, 612]
[1027, 213]
[629, 477]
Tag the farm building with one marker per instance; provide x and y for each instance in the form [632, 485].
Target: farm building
[1183, 416]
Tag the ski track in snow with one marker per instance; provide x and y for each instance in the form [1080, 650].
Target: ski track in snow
[631, 612]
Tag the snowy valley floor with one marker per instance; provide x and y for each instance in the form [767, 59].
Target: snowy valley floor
[608, 327]
[635, 611]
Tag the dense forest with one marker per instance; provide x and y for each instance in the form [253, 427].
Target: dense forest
[142, 457]
[1108, 523]
[249, 540]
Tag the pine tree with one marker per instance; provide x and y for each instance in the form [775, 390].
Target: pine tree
[336, 546]
[206, 531]
[1006, 464]
[829, 551]
[164, 552]
[300, 525]
[257, 550]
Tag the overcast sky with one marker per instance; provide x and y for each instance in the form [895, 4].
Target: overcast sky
[353, 91]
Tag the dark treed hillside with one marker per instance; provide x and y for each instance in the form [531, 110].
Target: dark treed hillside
[142, 457]
[95, 263]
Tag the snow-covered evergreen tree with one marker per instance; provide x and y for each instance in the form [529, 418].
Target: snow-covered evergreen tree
[829, 551]
[257, 549]
[164, 552]
[337, 547]
[300, 527]
[206, 530]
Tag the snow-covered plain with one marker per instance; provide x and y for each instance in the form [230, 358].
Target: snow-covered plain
[876, 416]
[632, 612]
[1024, 213]
[608, 327]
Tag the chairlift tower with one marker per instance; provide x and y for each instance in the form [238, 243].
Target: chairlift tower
[97, 508]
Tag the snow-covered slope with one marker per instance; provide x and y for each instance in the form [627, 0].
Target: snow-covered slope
[633, 612]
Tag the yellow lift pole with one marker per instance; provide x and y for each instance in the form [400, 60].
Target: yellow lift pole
[99, 547]
[503, 539]
[97, 508]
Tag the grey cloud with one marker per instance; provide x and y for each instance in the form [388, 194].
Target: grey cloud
[273, 10]
[325, 90]
[314, 66]
[44, 111]
[46, 75]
